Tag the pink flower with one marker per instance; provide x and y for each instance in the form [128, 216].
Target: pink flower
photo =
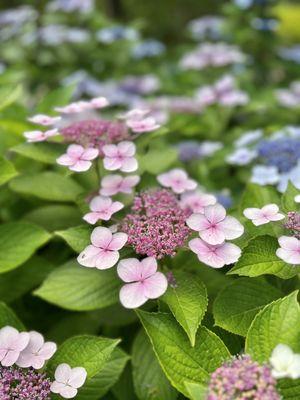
[120, 156]
[135, 114]
[43, 119]
[99, 102]
[39, 136]
[68, 380]
[103, 252]
[36, 352]
[144, 282]
[197, 201]
[215, 256]
[214, 226]
[148, 124]
[178, 180]
[78, 158]
[73, 108]
[264, 215]
[11, 344]
[113, 184]
[102, 208]
[289, 250]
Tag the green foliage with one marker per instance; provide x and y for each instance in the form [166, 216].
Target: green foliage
[7, 171]
[44, 152]
[8, 317]
[288, 198]
[77, 238]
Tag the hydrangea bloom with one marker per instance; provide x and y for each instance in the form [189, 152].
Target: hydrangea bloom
[12, 343]
[77, 158]
[102, 208]
[68, 380]
[285, 363]
[197, 201]
[264, 215]
[265, 175]
[114, 184]
[242, 378]
[289, 250]
[120, 156]
[178, 180]
[143, 282]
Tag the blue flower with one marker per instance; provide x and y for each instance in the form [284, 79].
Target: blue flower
[282, 153]
[148, 48]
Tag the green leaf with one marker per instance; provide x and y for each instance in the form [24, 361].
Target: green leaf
[150, 382]
[178, 359]
[56, 98]
[238, 303]
[7, 171]
[287, 201]
[157, 161]
[15, 283]
[18, 241]
[259, 258]
[89, 352]
[99, 385]
[187, 301]
[9, 95]
[78, 288]
[44, 152]
[77, 238]
[47, 186]
[196, 391]
[277, 323]
[289, 388]
[8, 317]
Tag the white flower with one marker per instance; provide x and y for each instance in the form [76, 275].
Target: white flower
[285, 363]
[248, 138]
[264, 175]
[241, 156]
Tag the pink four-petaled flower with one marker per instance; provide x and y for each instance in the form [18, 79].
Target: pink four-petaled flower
[12, 342]
[80, 106]
[114, 184]
[39, 136]
[143, 281]
[36, 352]
[215, 256]
[103, 252]
[148, 124]
[197, 201]
[289, 250]
[68, 380]
[261, 216]
[120, 156]
[178, 180]
[214, 226]
[77, 158]
[102, 208]
[43, 119]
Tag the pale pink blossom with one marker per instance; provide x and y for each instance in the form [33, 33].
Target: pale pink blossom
[12, 342]
[39, 136]
[135, 113]
[73, 108]
[77, 158]
[68, 380]
[197, 201]
[264, 215]
[178, 180]
[103, 252]
[143, 281]
[214, 226]
[148, 124]
[120, 156]
[113, 184]
[43, 119]
[102, 208]
[98, 102]
[289, 250]
[37, 352]
[215, 256]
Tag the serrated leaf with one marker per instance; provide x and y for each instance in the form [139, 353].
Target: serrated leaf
[237, 304]
[77, 238]
[89, 352]
[277, 323]
[18, 241]
[259, 258]
[196, 391]
[8, 317]
[150, 382]
[96, 387]
[187, 301]
[44, 152]
[47, 186]
[287, 201]
[78, 288]
[7, 171]
[178, 359]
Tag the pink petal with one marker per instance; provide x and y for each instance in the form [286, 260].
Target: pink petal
[35, 136]
[129, 164]
[62, 373]
[149, 267]
[289, 243]
[10, 358]
[37, 362]
[75, 151]
[112, 164]
[90, 154]
[127, 148]
[78, 377]
[260, 221]
[213, 235]
[252, 213]
[68, 392]
[231, 228]
[110, 150]
[110, 185]
[99, 102]
[190, 184]
[130, 270]
[81, 166]
[276, 217]
[132, 295]
[21, 342]
[118, 241]
[215, 213]
[164, 179]
[92, 217]
[101, 237]
[155, 286]
[229, 252]
[128, 183]
[89, 256]
[116, 206]
[48, 349]
[289, 256]
[35, 343]
[100, 203]
[206, 253]
[270, 209]
[56, 387]
[107, 259]
[43, 119]
[65, 159]
[8, 337]
[198, 222]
